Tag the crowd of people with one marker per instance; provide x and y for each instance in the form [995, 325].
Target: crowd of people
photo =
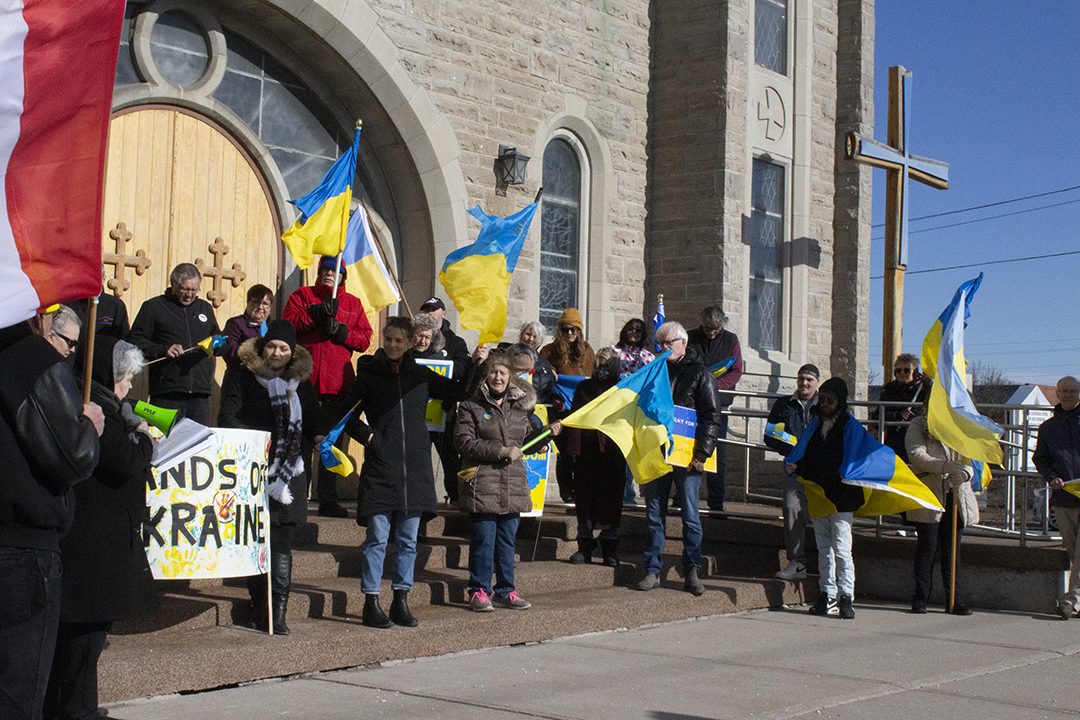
[73, 499]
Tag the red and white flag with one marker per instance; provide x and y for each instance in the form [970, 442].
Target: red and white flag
[57, 64]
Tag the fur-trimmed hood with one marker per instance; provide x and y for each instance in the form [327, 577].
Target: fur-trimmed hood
[520, 392]
[299, 368]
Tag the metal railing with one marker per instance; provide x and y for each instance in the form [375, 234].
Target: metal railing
[1015, 488]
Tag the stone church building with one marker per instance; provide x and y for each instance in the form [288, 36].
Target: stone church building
[692, 148]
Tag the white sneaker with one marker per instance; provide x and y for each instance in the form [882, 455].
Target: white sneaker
[794, 571]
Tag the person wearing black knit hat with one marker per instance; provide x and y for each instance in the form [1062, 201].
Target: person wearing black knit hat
[820, 464]
[271, 391]
[788, 418]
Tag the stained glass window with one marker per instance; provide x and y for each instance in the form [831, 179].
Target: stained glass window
[179, 48]
[770, 35]
[766, 243]
[560, 231]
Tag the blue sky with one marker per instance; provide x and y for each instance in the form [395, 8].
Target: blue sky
[996, 94]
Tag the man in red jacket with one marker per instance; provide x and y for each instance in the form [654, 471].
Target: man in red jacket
[331, 329]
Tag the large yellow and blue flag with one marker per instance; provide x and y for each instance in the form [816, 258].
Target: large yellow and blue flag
[637, 413]
[324, 212]
[952, 416]
[368, 278]
[477, 277]
[888, 484]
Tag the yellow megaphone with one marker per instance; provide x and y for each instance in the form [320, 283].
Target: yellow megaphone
[161, 418]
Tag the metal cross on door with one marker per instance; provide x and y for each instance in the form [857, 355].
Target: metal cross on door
[899, 165]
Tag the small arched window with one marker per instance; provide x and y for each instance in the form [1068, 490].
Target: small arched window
[560, 231]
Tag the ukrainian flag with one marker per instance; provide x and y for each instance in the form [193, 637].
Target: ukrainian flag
[637, 413]
[777, 431]
[324, 212]
[368, 278]
[982, 476]
[952, 416]
[333, 459]
[889, 486]
[477, 277]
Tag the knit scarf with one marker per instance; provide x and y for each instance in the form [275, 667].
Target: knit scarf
[287, 460]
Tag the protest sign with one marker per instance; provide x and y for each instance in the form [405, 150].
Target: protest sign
[435, 417]
[682, 432]
[538, 468]
[206, 510]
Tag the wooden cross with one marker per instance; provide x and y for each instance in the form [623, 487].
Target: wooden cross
[218, 272]
[899, 165]
[118, 283]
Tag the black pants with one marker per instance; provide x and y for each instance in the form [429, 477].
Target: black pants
[29, 616]
[193, 407]
[331, 408]
[935, 539]
[73, 685]
[564, 475]
[714, 481]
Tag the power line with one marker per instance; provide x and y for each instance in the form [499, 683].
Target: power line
[985, 219]
[982, 264]
[988, 205]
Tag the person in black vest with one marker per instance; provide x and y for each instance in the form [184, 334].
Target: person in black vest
[711, 344]
[165, 327]
[106, 574]
[49, 443]
[271, 391]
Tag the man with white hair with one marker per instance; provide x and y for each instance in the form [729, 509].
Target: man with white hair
[1057, 458]
[692, 387]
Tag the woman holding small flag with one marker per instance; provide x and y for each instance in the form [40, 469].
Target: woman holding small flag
[271, 391]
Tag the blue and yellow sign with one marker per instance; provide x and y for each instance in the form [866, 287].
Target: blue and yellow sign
[682, 432]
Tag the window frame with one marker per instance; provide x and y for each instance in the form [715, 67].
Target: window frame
[782, 342]
[584, 218]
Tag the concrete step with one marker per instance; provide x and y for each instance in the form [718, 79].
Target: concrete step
[212, 656]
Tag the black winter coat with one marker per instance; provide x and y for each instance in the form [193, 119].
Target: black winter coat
[693, 386]
[789, 410]
[896, 391]
[397, 474]
[1057, 452]
[106, 574]
[162, 321]
[46, 444]
[821, 464]
[245, 404]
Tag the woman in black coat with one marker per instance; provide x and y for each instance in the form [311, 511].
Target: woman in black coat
[271, 391]
[106, 575]
[397, 484]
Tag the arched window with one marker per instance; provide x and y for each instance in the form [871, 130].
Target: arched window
[560, 231]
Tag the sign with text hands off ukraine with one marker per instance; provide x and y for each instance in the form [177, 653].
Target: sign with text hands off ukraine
[206, 511]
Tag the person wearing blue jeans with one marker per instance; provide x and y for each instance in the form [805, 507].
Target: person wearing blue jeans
[692, 386]
[835, 565]
[373, 550]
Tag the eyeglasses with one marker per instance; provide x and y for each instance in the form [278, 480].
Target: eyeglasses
[70, 343]
[669, 343]
[903, 371]
[570, 328]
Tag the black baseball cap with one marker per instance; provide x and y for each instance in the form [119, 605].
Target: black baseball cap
[433, 303]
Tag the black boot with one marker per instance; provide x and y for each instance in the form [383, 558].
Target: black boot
[609, 548]
[399, 610]
[373, 612]
[585, 547]
[256, 585]
[280, 584]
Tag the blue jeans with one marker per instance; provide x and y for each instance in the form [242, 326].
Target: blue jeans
[374, 550]
[493, 541]
[29, 618]
[837, 569]
[688, 486]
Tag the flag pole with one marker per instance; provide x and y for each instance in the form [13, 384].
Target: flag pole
[88, 358]
[952, 553]
[390, 269]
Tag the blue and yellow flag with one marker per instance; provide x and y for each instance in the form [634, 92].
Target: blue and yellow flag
[566, 388]
[982, 477]
[777, 431]
[324, 212]
[637, 413]
[952, 416]
[889, 486]
[368, 278]
[721, 368]
[657, 321]
[212, 344]
[333, 459]
[477, 277]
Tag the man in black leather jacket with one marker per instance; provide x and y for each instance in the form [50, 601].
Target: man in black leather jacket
[691, 386]
[48, 442]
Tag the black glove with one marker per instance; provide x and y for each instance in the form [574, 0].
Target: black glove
[338, 332]
[321, 312]
[330, 306]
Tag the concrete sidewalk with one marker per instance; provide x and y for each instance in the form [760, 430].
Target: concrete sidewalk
[884, 664]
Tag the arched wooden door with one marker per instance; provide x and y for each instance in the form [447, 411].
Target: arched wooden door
[178, 189]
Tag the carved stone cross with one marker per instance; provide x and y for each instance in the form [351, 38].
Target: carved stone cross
[118, 283]
[899, 164]
[218, 272]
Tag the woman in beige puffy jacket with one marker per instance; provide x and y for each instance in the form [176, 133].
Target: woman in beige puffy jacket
[948, 475]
